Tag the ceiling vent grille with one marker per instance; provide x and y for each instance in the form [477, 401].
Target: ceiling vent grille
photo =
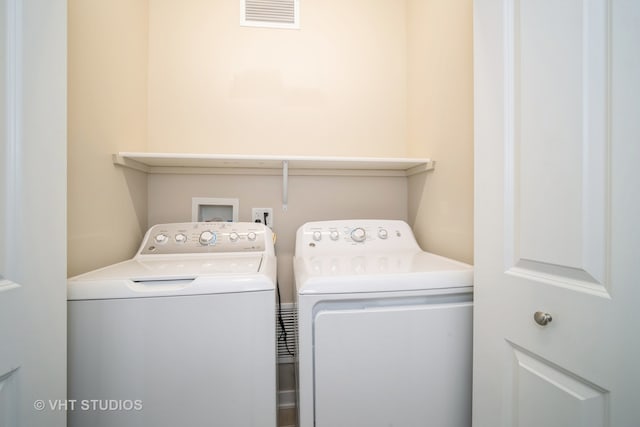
[270, 13]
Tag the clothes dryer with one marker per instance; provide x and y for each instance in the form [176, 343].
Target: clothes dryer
[385, 329]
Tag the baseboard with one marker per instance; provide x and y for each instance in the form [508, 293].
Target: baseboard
[287, 417]
[286, 399]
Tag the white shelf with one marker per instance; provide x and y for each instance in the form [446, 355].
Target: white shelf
[177, 163]
[270, 165]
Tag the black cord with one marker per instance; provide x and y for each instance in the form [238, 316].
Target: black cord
[283, 331]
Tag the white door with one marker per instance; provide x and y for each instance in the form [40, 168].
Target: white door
[32, 212]
[10, 293]
[557, 146]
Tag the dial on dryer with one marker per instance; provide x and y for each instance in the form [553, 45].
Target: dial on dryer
[358, 234]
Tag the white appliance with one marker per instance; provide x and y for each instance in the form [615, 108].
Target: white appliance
[183, 334]
[385, 329]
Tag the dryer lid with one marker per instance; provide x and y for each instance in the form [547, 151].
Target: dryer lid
[384, 272]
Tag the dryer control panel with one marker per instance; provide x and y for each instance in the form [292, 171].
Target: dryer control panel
[352, 236]
[206, 237]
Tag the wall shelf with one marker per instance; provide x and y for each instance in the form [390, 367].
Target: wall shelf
[179, 163]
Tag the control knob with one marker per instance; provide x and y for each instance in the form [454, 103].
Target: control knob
[207, 238]
[161, 239]
[233, 236]
[181, 238]
[334, 235]
[251, 236]
[317, 236]
[382, 233]
[358, 234]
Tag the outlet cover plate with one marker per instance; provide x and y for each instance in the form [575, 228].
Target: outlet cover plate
[258, 214]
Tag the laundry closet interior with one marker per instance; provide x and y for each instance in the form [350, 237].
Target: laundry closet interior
[358, 79]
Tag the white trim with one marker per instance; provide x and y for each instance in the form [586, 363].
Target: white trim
[13, 125]
[286, 399]
[7, 285]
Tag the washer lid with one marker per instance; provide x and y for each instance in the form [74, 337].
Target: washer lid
[385, 272]
[175, 275]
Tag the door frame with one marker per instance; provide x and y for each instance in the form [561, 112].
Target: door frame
[33, 212]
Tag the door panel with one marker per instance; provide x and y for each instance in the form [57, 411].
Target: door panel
[3, 128]
[400, 366]
[8, 394]
[556, 141]
[10, 299]
[561, 398]
[9, 338]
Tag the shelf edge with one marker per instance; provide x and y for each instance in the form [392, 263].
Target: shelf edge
[125, 162]
[180, 165]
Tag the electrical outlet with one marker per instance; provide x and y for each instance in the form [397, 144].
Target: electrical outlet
[258, 215]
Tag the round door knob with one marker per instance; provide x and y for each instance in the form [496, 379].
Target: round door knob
[542, 318]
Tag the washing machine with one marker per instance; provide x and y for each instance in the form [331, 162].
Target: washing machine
[183, 334]
[384, 328]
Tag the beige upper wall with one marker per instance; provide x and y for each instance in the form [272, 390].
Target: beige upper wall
[107, 84]
[440, 124]
[337, 86]
[362, 77]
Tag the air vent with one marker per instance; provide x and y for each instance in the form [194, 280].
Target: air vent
[286, 339]
[270, 13]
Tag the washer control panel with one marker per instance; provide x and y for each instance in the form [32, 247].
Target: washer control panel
[206, 237]
[354, 235]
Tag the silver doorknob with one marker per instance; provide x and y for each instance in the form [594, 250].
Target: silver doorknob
[542, 318]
